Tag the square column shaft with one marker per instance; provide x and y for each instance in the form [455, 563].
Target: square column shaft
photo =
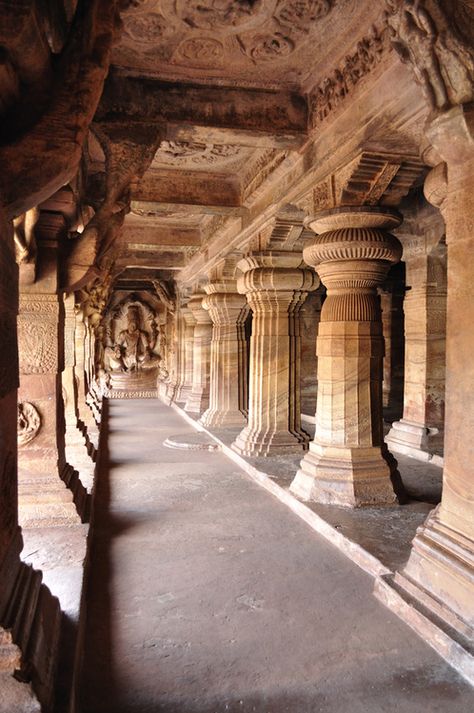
[276, 285]
[228, 310]
[198, 400]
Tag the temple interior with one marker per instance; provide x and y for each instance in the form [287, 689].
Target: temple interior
[236, 356]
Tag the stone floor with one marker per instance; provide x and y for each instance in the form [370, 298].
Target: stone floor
[207, 595]
[385, 533]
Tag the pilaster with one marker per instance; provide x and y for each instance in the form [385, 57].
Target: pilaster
[347, 463]
[276, 284]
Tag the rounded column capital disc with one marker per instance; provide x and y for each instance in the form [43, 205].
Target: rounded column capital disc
[378, 217]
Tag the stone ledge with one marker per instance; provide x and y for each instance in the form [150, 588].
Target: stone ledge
[453, 648]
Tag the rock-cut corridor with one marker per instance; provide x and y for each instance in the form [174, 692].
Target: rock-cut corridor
[207, 595]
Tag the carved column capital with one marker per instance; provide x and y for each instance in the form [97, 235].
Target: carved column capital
[277, 273]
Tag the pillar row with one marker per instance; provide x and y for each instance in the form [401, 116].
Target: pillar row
[198, 399]
[228, 368]
[347, 463]
[276, 285]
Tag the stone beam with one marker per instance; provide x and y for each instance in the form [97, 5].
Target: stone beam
[189, 187]
[264, 112]
[156, 234]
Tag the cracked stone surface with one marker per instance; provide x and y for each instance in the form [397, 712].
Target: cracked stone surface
[207, 595]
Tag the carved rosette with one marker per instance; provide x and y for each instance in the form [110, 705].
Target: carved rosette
[29, 423]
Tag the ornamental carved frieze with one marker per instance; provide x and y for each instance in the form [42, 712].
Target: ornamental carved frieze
[29, 423]
[332, 91]
[179, 153]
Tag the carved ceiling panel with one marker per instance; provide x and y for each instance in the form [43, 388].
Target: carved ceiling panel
[253, 42]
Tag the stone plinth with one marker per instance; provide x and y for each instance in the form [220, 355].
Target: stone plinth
[276, 284]
[228, 310]
[198, 400]
[347, 463]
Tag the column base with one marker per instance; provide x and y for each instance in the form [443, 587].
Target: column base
[252, 444]
[214, 418]
[197, 403]
[440, 573]
[414, 439]
[350, 477]
[45, 502]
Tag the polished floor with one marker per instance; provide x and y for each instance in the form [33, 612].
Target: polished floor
[207, 595]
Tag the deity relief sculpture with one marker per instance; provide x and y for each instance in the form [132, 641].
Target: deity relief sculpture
[130, 359]
[442, 62]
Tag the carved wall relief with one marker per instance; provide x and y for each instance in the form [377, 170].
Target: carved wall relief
[29, 423]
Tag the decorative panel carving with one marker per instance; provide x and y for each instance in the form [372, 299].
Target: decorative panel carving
[38, 334]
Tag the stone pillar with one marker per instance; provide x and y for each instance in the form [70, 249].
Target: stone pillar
[347, 463]
[81, 480]
[276, 285]
[391, 301]
[440, 569]
[44, 499]
[187, 326]
[10, 534]
[228, 310]
[198, 400]
[420, 432]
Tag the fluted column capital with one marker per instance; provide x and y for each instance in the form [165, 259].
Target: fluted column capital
[195, 304]
[275, 271]
[223, 302]
[353, 247]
